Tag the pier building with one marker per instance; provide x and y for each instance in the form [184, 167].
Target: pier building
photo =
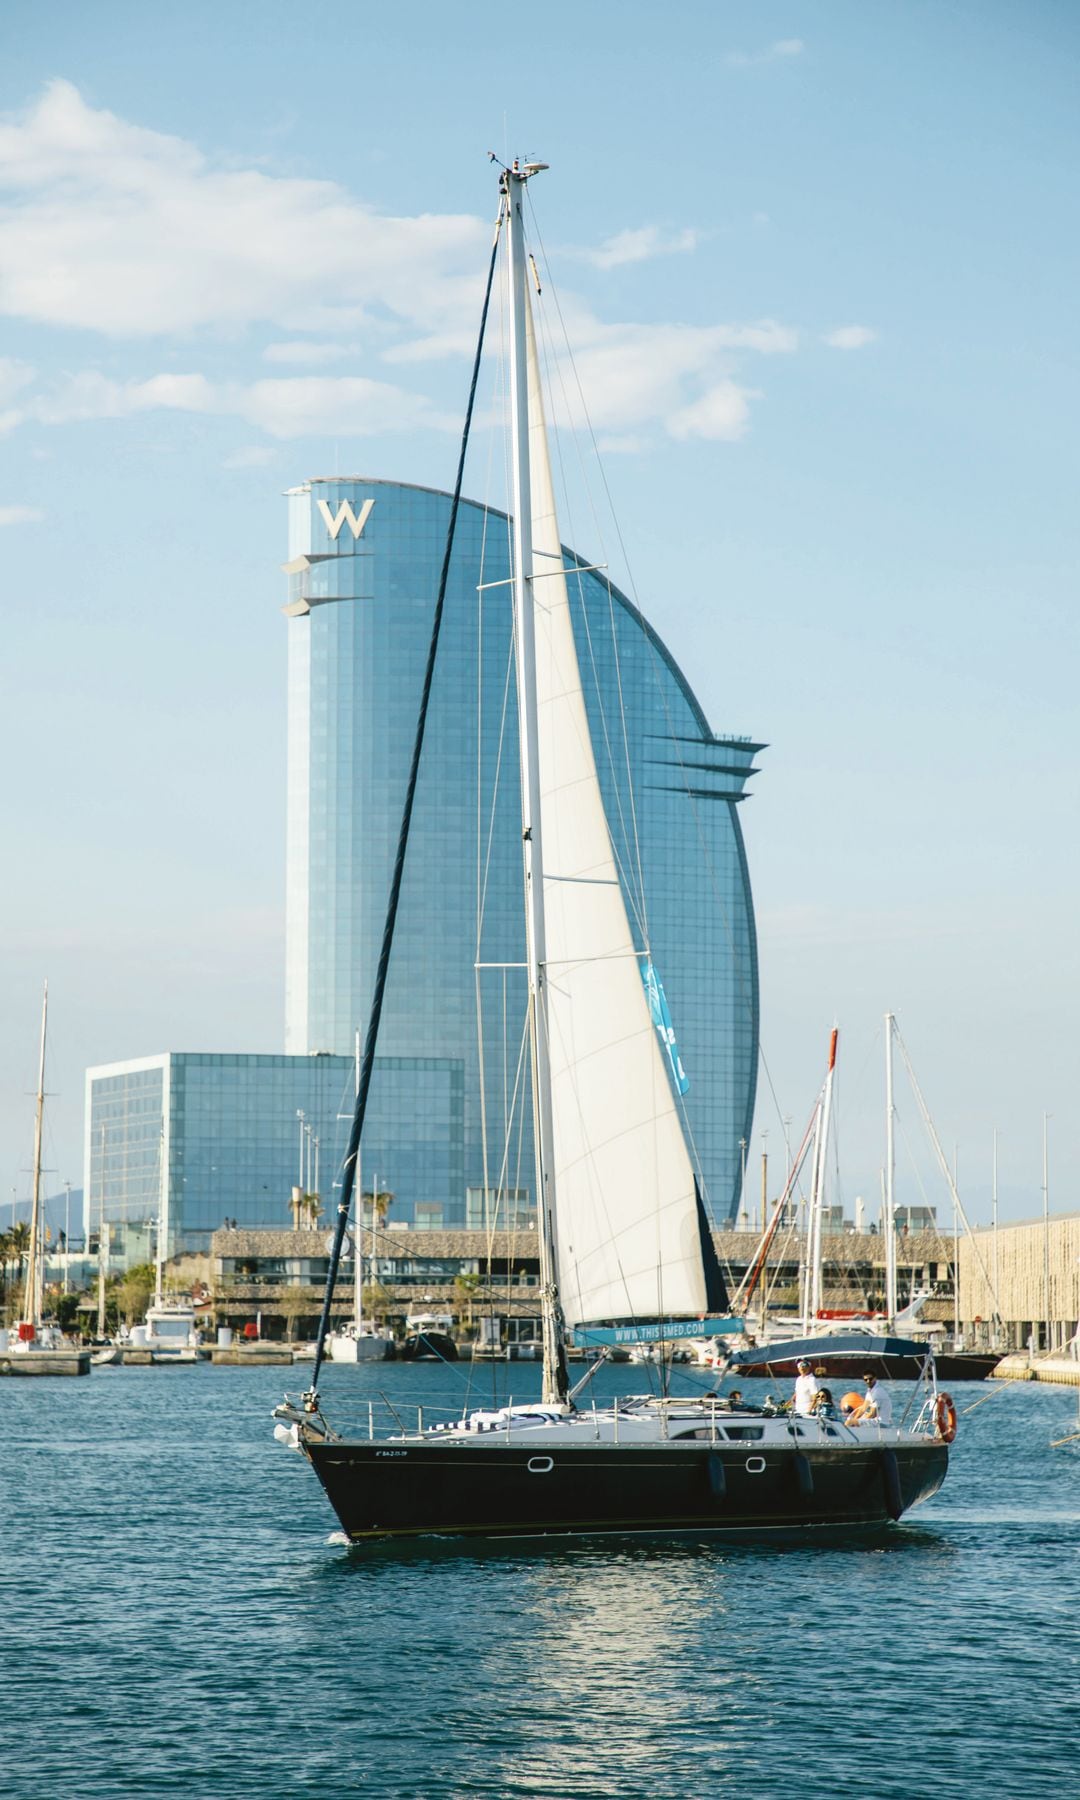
[277, 1278]
[1032, 1266]
[197, 1138]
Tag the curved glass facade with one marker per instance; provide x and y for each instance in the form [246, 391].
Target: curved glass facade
[363, 572]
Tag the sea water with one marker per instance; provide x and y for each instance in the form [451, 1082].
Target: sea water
[178, 1617]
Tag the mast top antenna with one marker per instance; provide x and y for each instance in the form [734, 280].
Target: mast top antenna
[521, 169]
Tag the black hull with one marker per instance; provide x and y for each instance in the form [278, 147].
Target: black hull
[852, 1366]
[962, 1365]
[387, 1490]
[428, 1346]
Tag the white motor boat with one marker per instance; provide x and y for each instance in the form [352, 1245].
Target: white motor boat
[356, 1343]
[169, 1332]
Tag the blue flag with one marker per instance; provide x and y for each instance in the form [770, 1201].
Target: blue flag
[661, 1018]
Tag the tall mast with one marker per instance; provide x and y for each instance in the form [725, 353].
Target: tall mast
[888, 1223]
[161, 1248]
[994, 1216]
[818, 1196]
[806, 1279]
[103, 1247]
[555, 1381]
[358, 1235]
[32, 1305]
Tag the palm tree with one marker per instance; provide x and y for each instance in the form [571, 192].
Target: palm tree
[295, 1302]
[19, 1241]
[7, 1255]
[466, 1286]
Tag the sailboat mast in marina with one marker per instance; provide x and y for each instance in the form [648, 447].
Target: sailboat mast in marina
[32, 1301]
[39, 1348]
[625, 1249]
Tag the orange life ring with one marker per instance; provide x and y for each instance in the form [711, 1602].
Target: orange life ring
[945, 1418]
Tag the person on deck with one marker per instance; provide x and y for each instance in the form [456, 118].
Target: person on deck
[805, 1388]
[876, 1405]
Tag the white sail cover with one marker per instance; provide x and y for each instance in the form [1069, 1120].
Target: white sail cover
[627, 1232]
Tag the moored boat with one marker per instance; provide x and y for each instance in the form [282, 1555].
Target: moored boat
[168, 1334]
[34, 1345]
[427, 1339]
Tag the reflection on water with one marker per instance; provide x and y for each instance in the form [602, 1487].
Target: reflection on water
[177, 1622]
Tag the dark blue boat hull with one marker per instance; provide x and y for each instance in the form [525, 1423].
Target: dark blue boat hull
[381, 1490]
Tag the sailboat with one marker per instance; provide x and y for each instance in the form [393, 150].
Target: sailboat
[169, 1331]
[625, 1250]
[35, 1347]
[358, 1342]
[845, 1344]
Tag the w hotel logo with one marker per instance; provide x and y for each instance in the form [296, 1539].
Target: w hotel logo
[356, 521]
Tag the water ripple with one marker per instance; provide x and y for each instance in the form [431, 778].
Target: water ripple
[178, 1620]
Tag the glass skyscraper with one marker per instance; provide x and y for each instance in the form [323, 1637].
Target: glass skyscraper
[204, 1137]
[364, 559]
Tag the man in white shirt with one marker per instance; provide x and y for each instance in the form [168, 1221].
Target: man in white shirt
[805, 1389]
[877, 1404]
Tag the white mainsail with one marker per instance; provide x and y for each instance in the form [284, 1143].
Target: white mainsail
[629, 1243]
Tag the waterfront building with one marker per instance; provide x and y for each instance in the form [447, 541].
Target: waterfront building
[363, 571]
[195, 1139]
[1032, 1266]
[275, 1279]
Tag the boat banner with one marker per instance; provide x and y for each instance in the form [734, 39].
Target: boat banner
[661, 1018]
[655, 1331]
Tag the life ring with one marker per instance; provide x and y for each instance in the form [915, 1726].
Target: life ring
[945, 1418]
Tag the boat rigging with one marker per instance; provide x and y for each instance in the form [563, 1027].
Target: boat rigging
[623, 1231]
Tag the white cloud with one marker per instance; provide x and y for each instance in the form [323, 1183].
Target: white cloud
[90, 395]
[307, 352]
[21, 515]
[108, 227]
[628, 444]
[677, 378]
[775, 52]
[849, 337]
[292, 406]
[722, 412]
[113, 228]
[252, 456]
[640, 246]
[14, 377]
[350, 406]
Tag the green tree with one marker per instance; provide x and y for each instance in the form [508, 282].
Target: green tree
[295, 1302]
[377, 1300]
[66, 1308]
[129, 1295]
[16, 1245]
[465, 1287]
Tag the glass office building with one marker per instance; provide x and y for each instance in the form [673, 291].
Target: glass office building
[364, 560]
[198, 1139]
[203, 1138]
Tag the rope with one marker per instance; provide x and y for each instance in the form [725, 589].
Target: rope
[371, 1037]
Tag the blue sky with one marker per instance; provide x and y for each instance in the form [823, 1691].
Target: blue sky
[818, 266]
